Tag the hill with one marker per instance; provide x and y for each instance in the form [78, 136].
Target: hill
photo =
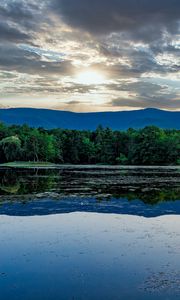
[116, 120]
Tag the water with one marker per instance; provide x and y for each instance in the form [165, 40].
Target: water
[85, 233]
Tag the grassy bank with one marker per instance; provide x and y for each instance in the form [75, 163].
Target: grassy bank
[25, 164]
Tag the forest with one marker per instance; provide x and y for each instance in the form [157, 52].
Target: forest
[148, 146]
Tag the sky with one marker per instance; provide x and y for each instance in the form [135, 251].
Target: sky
[90, 55]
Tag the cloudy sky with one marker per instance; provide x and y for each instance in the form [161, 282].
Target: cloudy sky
[90, 55]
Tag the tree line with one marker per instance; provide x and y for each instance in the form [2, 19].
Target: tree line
[148, 146]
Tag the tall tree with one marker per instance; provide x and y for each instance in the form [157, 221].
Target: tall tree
[11, 147]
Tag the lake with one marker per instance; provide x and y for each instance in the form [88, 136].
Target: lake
[90, 232]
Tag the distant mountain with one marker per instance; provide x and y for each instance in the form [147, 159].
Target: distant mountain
[116, 120]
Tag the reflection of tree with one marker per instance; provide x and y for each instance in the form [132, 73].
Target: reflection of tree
[40, 182]
[26, 182]
[9, 183]
[33, 181]
[161, 195]
[152, 196]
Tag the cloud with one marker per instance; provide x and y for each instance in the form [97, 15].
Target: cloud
[133, 43]
[20, 11]
[14, 58]
[158, 102]
[11, 33]
[16, 10]
[146, 94]
[20, 19]
[137, 17]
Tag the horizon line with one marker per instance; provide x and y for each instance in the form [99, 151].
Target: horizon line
[86, 112]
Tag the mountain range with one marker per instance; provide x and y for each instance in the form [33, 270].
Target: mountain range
[120, 120]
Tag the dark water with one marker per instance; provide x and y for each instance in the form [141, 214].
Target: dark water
[90, 233]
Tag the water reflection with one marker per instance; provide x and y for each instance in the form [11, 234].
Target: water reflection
[89, 257]
[145, 192]
[79, 234]
[149, 186]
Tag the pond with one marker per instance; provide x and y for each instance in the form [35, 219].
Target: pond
[90, 232]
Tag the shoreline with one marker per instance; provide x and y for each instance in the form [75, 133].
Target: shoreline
[31, 165]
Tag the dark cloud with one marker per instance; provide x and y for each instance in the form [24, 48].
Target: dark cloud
[11, 33]
[13, 58]
[165, 102]
[140, 17]
[19, 20]
[17, 10]
[74, 102]
[146, 94]
[23, 12]
[139, 63]
[139, 87]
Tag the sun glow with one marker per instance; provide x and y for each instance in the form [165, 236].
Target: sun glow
[90, 77]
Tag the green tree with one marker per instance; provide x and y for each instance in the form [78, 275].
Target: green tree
[148, 146]
[47, 150]
[32, 145]
[122, 160]
[87, 152]
[11, 147]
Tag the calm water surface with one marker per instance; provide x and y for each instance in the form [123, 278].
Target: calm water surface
[83, 233]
